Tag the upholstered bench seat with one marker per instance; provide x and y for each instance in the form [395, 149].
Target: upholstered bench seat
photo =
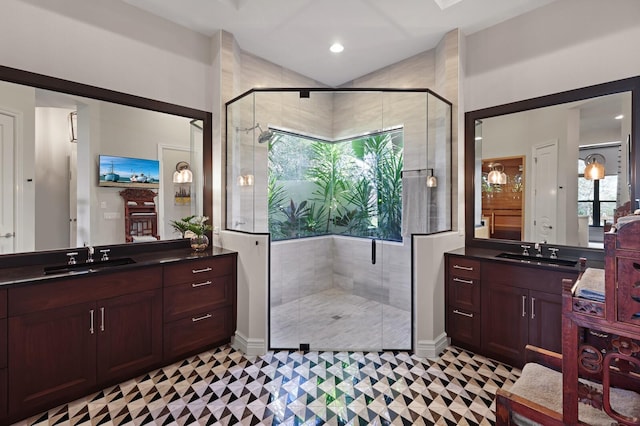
[543, 386]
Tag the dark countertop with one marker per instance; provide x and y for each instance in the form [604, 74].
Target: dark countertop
[35, 273]
[490, 254]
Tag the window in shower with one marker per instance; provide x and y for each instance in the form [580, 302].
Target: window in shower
[350, 187]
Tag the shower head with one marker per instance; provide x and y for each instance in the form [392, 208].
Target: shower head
[265, 136]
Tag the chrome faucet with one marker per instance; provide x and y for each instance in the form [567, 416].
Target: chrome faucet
[538, 247]
[90, 251]
[105, 255]
[72, 258]
[525, 249]
[554, 253]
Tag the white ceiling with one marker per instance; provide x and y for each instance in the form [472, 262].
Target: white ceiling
[297, 33]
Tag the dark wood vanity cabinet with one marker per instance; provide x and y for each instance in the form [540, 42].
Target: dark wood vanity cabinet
[462, 292]
[64, 337]
[503, 307]
[70, 335]
[523, 305]
[199, 304]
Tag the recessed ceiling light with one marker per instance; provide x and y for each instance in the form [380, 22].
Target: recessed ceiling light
[443, 4]
[336, 48]
[619, 117]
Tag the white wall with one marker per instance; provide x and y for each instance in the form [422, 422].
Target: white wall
[565, 45]
[108, 44]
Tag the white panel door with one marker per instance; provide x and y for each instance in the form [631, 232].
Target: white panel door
[7, 142]
[545, 192]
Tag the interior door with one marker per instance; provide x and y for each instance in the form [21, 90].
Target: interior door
[7, 142]
[545, 193]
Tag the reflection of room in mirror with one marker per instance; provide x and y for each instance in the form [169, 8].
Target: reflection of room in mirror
[66, 175]
[554, 202]
[502, 198]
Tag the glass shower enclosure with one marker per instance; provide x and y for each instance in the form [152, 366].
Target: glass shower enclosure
[341, 179]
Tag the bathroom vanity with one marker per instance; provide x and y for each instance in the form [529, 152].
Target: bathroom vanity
[496, 306]
[76, 330]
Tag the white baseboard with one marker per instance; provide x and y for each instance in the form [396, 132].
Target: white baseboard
[248, 346]
[432, 348]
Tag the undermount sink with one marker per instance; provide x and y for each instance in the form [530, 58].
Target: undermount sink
[60, 269]
[538, 260]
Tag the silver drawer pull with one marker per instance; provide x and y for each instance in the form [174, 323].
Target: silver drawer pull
[197, 271]
[464, 314]
[194, 285]
[204, 317]
[460, 280]
[91, 321]
[464, 268]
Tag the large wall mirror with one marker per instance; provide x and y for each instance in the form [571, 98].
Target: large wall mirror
[62, 146]
[530, 167]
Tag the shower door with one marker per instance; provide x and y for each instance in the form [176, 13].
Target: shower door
[340, 271]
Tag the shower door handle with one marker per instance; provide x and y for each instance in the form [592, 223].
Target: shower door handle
[373, 252]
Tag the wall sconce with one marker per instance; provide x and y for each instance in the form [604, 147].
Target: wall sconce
[432, 181]
[245, 180]
[594, 169]
[183, 173]
[73, 127]
[497, 174]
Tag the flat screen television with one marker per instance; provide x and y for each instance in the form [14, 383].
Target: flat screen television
[125, 172]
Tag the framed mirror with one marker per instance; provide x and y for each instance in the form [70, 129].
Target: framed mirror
[70, 150]
[525, 162]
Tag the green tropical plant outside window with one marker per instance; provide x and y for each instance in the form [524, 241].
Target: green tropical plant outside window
[351, 187]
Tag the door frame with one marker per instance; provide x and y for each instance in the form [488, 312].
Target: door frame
[534, 188]
[19, 198]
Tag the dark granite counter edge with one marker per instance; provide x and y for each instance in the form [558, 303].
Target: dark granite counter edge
[490, 254]
[35, 272]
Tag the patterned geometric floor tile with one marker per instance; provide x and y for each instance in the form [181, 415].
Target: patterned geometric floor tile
[223, 387]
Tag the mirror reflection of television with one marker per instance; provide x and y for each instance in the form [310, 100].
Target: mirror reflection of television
[125, 172]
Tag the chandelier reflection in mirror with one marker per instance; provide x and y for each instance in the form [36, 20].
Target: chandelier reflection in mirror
[497, 175]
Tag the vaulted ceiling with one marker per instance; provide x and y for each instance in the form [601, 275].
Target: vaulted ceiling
[375, 33]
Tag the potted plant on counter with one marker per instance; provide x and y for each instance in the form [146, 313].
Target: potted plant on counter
[194, 228]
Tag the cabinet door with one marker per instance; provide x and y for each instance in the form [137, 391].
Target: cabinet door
[51, 356]
[505, 323]
[545, 320]
[129, 330]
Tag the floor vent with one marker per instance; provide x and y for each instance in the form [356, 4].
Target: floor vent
[336, 317]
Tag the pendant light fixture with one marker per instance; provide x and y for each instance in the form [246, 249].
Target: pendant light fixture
[432, 181]
[594, 169]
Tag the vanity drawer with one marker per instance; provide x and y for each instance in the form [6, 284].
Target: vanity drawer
[463, 327]
[196, 332]
[464, 267]
[464, 293]
[192, 297]
[198, 270]
[72, 291]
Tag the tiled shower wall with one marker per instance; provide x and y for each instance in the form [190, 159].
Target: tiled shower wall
[306, 266]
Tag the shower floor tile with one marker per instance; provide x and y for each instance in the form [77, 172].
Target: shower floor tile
[338, 320]
[223, 387]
